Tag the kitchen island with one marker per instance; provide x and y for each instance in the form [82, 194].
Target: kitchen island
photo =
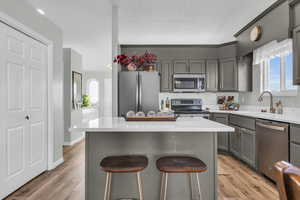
[187, 136]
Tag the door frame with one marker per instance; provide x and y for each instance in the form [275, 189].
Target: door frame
[51, 164]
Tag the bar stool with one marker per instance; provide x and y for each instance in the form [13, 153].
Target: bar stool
[179, 164]
[123, 164]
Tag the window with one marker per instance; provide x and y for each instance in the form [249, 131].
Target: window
[93, 91]
[276, 61]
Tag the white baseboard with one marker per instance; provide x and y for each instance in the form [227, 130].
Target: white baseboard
[74, 141]
[56, 163]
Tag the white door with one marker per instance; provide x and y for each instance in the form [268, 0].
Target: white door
[23, 108]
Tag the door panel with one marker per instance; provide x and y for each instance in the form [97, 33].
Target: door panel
[228, 75]
[15, 86]
[296, 56]
[37, 142]
[166, 76]
[212, 76]
[16, 46]
[15, 149]
[128, 92]
[181, 66]
[248, 147]
[23, 67]
[37, 89]
[197, 66]
[149, 83]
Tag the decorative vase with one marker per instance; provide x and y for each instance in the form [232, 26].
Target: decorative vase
[149, 68]
[131, 67]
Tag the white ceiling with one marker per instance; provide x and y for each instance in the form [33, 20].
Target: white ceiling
[86, 28]
[185, 21]
[87, 23]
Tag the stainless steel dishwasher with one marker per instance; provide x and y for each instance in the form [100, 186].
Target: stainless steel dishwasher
[272, 139]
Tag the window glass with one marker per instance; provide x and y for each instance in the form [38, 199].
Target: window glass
[289, 72]
[93, 91]
[274, 74]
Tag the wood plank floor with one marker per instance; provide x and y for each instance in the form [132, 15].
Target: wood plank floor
[236, 181]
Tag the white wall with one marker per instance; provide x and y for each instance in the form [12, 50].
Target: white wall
[115, 51]
[72, 62]
[23, 12]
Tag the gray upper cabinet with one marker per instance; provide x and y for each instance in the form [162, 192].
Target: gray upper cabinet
[228, 74]
[248, 147]
[245, 70]
[212, 75]
[166, 73]
[197, 66]
[294, 6]
[181, 66]
[296, 54]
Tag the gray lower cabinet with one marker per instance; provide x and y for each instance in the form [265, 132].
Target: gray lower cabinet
[197, 66]
[181, 66]
[166, 72]
[212, 75]
[248, 147]
[295, 144]
[223, 138]
[228, 74]
[295, 154]
[235, 142]
[296, 54]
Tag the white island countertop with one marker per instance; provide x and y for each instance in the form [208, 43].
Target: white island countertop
[121, 125]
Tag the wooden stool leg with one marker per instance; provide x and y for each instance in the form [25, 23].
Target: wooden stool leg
[165, 186]
[199, 188]
[107, 186]
[162, 185]
[139, 180]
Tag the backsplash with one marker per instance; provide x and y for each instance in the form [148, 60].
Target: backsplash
[209, 99]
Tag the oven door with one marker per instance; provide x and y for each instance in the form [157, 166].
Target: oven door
[188, 83]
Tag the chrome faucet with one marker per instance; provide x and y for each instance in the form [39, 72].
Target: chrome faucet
[260, 99]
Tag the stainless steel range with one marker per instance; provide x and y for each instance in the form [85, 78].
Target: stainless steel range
[189, 108]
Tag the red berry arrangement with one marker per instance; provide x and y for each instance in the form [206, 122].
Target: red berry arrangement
[139, 61]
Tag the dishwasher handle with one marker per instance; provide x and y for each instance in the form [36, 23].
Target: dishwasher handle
[272, 127]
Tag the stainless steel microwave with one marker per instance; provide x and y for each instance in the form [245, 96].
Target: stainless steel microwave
[189, 83]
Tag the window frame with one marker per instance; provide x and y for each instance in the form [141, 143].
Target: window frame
[265, 69]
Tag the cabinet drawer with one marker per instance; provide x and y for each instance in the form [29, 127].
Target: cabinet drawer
[295, 154]
[295, 134]
[244, 122]
[221, 118]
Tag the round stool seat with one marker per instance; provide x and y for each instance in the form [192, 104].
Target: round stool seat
[124, 164]
[180, 164]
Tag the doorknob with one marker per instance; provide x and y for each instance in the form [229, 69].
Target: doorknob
[27, 117]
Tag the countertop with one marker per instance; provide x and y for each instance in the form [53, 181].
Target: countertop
[268, 116]
[120, 125]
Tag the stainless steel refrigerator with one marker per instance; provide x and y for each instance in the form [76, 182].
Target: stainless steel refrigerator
[138, 91]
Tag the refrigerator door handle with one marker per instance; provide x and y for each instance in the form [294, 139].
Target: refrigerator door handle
[137, 94]
[140, 93]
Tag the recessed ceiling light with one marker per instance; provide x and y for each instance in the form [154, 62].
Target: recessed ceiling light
[41, 11]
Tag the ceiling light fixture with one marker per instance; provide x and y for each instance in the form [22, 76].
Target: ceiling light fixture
[40, 11]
